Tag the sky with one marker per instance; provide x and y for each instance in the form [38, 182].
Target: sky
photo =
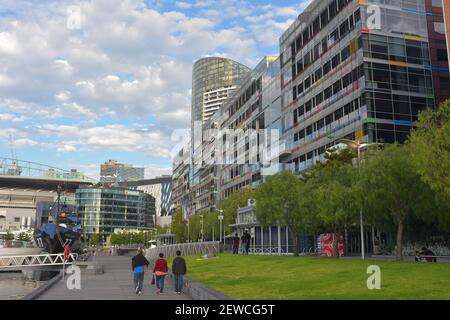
[82, 82]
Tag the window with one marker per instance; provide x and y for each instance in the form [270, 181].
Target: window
[357, 15]
[316, 51]
[307, 83]
[339, 113]
[328, 92]
[326, 68]
[319, 98]
[442, 55]
[300, 89]
[324, 17]
[308, 106]
[334, 35]
[345, 53]
[324, 45]
[337, 86]
[318, 74]
[336, 61]
[343, 28]
[347, 80]
[332, 8]
[294, 93]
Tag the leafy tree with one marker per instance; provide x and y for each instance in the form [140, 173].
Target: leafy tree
[179, 227]
[283, 200]
[389, 185]
[333, 187]
[9, 236]
[96, 239]
[430, 150]
[23, 236]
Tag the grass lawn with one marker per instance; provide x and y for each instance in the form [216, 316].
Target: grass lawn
[296, 278]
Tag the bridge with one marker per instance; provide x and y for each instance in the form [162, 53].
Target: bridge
[26, 174]
[38, 260]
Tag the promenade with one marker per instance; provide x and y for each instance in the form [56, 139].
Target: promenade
[116, 283]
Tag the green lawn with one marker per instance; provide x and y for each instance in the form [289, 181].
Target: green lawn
[295, 278]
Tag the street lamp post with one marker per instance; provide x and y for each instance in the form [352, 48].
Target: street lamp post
[357, 145]
[201, 221]
[220, 217]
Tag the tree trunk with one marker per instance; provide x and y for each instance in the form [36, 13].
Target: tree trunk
[337, 237]
[400, 239]
[345, 241]
[295, 240]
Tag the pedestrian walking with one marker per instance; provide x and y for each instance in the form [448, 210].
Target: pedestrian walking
[235, 244]
[139, 265]
[179, 269]
[160, 271]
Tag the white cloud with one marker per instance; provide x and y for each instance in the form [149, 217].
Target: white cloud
[183, 5]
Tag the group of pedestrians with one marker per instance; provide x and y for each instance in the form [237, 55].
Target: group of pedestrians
[243, 242]
[140, 266]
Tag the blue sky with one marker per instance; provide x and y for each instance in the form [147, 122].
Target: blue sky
[117, 85]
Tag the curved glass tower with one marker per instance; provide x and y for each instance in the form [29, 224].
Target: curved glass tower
[213, 80]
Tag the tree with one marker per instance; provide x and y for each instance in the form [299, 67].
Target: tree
[9, 236]
[179, 227]
[333, 187]
[23, 236]
[96, 239]
[430, 150]
[283, 200]
[389, 184]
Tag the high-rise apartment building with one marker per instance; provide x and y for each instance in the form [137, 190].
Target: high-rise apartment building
[114, 172]
[213, 80]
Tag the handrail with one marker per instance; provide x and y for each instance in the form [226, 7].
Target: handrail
[21, 261]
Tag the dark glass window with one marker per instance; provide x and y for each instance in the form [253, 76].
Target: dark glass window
[336, 61]
[324, 17]
[345, 53]
[326, 67]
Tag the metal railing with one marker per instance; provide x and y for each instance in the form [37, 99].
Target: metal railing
[14, 167]
[187, 249]
[18, 262]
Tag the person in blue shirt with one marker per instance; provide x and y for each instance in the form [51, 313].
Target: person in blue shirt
[139, 265]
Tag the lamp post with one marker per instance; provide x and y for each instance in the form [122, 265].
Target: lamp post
[220, 217]
[358, 146]
[201, 222]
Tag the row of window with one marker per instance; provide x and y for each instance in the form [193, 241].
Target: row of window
[320, 48]
[244, 97]
[395, 49]
[328, 120]
[399, 78]
[330, 65]
[318, 24]
[335, 88]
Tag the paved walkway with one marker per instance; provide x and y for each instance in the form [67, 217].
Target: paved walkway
[116, 283]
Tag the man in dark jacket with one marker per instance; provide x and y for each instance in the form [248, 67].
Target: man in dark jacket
[178, 270]
[139, 265]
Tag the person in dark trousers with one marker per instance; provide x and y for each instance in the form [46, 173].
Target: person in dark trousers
[235, 244]
[178, 270]
[247, 249]
[160, 271]
[139, 265]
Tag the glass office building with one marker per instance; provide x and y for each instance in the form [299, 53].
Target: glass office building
[353, 70]
[106, 210]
